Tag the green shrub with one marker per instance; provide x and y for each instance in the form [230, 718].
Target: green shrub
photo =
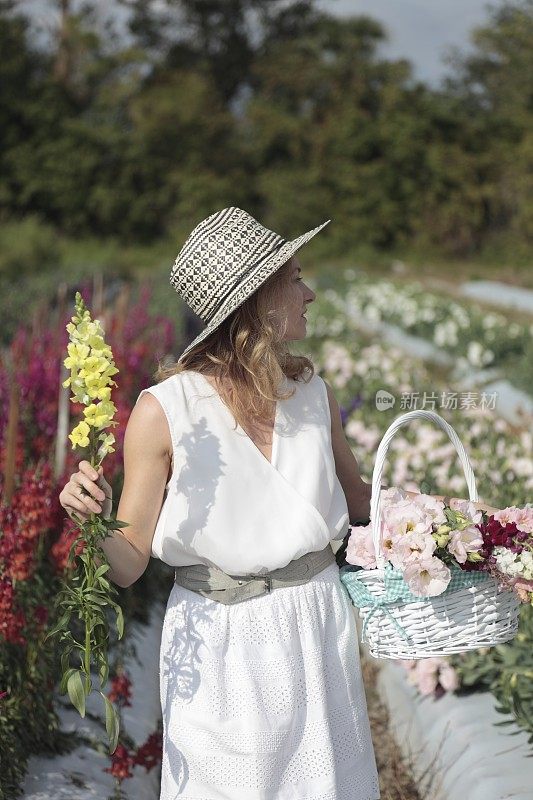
[26, 246]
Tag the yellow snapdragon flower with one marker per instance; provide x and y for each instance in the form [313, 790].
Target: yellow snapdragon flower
[100, 414]
[91, 365]
[80, 435]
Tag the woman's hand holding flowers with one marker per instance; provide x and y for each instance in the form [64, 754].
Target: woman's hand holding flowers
[87, 492]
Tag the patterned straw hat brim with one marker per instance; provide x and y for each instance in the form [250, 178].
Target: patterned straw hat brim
[225, 259]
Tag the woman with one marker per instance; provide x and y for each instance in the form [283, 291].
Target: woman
[261, 688]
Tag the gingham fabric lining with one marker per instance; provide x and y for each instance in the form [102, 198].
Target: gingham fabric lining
[396, 591]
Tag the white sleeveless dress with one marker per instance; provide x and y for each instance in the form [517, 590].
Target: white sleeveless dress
[262, 699]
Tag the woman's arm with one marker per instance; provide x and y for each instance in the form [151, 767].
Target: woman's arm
[358, 493]
[147, 459]
[356, 490]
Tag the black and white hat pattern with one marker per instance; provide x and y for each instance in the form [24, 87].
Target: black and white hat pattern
[224, 260]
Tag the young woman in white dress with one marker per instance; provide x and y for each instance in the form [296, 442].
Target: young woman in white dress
[261, 699]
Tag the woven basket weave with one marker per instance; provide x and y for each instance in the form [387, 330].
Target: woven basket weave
[472, 612]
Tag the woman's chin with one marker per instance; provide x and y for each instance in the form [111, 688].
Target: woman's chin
[301, 333]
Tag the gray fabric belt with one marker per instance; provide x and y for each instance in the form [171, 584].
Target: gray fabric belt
[212, 582]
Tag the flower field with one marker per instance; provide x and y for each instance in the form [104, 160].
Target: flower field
[360, 367]
[36, 534]
[477, 338]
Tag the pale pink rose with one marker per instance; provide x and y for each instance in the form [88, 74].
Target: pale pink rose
[466, 541]
[448, 678]
[360, 548]
[412, 676]
[433, 507]
[427, 673]
[428, 666]
[427, 578]
[466, 508]
[406, 517]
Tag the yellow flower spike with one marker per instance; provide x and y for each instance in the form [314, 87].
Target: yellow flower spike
[106, 446]
[80, 435]
[99, 414]
[91, 365]
[104, 393]
[77, 354]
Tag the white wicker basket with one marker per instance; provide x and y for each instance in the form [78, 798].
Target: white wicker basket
[473, 611]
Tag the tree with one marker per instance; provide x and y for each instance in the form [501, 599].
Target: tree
[493, 83]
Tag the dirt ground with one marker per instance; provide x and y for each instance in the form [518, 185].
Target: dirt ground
[395, 779]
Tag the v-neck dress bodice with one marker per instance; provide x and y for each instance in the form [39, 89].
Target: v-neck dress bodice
[226, 504]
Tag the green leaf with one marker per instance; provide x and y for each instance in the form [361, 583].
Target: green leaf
[65, 678]
[60, 625]
[101, 570]
[65, 660]
[112, 724]
[92, 597]
[120, 622]
[114, 524]
[103, 673]
[76, 692]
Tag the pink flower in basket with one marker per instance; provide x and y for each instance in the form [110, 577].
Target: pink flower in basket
[469, 540]
[467, 509]
[360, 548]
[428, 577]
[406, 517]
[522, 518]
[433, 507]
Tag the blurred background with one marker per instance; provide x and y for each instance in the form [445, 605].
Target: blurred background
[123, 124]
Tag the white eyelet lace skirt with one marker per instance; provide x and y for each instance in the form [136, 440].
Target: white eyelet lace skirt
[264, 699]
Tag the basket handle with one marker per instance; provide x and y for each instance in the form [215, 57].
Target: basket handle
[375, 504]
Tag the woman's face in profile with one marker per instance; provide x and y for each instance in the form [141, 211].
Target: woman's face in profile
[298, 296]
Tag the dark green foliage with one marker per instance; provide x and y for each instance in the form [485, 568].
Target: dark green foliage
[282, 109]
[504, 670]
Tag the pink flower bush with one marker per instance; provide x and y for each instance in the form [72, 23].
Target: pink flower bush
[431, 676]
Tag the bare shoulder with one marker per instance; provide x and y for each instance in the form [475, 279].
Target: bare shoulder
[148, 426]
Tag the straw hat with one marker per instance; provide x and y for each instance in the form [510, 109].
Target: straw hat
[224, 260]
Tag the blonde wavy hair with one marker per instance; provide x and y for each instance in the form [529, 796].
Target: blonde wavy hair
[248, 355]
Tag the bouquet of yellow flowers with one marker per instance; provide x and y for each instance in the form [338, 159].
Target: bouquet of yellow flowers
[88, 593]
